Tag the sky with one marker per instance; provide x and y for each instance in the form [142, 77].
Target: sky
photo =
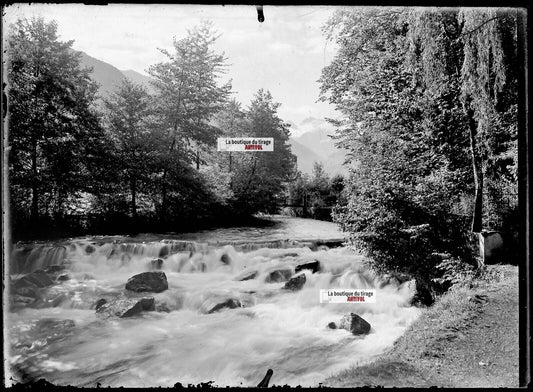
[285, 54]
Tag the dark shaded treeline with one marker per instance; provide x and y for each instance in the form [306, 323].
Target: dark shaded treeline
[134, 161]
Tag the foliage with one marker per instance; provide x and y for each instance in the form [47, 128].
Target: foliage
[397, 80]
[54, 131]
[317, 195]
[260, 178]
[136, 145]
[188, 96]
[146, 162]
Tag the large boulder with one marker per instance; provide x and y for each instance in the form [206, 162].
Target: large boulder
[148, 281]
[295, 283]
[125, 307]
[355, 324]
[246, 275]
[314, 266]
[214, 305]
[278, 275]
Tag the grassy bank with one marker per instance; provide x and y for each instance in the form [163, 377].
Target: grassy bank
[468, 338]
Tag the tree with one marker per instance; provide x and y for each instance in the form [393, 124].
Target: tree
[476, 51]
[260, 179]
[188, 95]
[134, 133]
[54, 131]
[404, 198]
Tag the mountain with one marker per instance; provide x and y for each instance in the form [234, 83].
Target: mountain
[306, 157]
[315, 145]
[138, 78]
[109, 77]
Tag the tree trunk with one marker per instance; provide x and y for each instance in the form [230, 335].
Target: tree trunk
[35, 184]
[165, 171]
[477, 218]
[134, 198]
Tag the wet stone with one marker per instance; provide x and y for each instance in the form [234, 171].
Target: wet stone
[314, 266]
[212, 306]
[279, 275]
[246, 275]
[99, 303]
[156, 264]
[148, 281]
[35, 279]
[295, 283]
[125, 307]
[225, 259]
[355, 324]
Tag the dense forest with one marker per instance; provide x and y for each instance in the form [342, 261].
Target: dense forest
[134, 161]
[429, 104]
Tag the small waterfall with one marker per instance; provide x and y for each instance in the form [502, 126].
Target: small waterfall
[27, 258]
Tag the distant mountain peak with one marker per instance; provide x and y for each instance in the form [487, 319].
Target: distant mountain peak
[109, 77]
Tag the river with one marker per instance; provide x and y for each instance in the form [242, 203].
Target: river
[61, 338]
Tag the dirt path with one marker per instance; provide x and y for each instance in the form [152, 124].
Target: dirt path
[469, 338]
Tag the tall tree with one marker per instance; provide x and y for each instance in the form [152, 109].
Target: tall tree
[133, 130]
[54, 131]
[260, 181]
[404, 195]
[474, 49]
[188, 95]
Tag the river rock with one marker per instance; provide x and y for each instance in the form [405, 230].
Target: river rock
[355, 324]
[246, 275]
[89, 249]
[27, 291]
[52, 269]
[64, 277]
[20, 301]
[278, 275]
[332, 325]
[295, 283]
[126, 307]
[34, 279]
[212, 306]
[148, 281]
[164, 251]
[98, 304]
[225, 259]
[156, 264]
[314, 266]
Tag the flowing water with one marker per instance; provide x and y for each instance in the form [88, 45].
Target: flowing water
[60, 337]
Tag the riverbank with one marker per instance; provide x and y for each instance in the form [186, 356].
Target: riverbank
[468, 338]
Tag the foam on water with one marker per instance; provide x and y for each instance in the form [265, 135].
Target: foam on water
[277, 329]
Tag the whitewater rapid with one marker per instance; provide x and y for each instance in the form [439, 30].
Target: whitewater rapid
[61, 339]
